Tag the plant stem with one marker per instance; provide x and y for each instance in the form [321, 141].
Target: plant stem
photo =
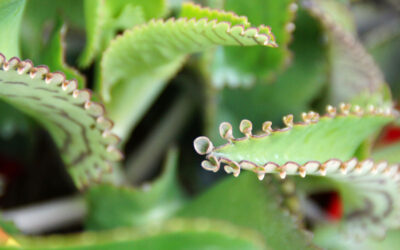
[143, 161]
[48, 216]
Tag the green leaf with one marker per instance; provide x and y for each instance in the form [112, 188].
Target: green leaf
[320, 145]
[353, 74]
[174, 234]
[111, 207]
[11, 16]
[252, 205]
[317, 138]
[307, 73]
[138, 64]
[104, 19]
[53, 54]
[77, 125]
[243, 66]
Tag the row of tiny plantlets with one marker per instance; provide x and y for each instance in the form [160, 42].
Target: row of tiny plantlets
[204, 146]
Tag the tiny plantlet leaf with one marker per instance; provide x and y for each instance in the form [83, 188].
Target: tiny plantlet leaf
[322, 145]
[78, 126]
[137, 65]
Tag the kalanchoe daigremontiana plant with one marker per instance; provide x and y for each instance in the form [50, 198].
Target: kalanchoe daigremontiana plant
[145, 68]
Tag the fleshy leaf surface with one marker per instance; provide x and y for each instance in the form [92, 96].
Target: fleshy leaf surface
[78, 126]
[138, 64]
[320, 145]
[112, 207]
[174, 234]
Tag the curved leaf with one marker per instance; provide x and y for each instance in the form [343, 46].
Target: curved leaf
[320, 145]
[77, 124]
[137, 65]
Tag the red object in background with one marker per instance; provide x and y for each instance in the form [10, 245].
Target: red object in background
[334, 209]
[390, 135]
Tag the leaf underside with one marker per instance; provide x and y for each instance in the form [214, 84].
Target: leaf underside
[78, 126]
[320, 145]
[138, 64]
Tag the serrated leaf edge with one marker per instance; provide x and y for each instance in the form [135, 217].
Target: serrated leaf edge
[204, 146]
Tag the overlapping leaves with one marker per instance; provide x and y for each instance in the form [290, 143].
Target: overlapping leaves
[137, 65]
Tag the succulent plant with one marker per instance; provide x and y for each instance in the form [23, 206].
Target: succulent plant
[258, 64]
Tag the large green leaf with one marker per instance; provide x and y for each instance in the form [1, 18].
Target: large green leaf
[77, 125]
[320, 145]
[104, 19]
[138, 64]
[173, 235]
[111, 206]
[253, 205]
[243, 66]
[11, 16]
